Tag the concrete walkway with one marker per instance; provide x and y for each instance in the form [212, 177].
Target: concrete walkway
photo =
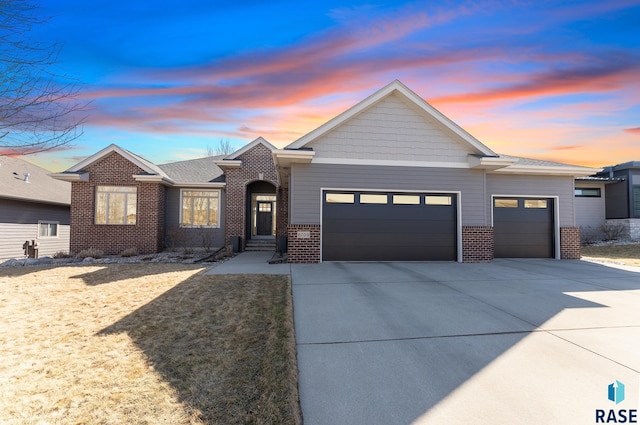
[511, 342]
[250, 262]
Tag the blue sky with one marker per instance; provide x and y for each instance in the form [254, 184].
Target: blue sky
[166, 79]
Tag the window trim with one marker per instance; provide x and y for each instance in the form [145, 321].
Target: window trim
[106, 212]
[197, 226]
[41, 222]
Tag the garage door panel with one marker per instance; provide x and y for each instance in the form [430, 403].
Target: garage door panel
[340, 253]
[386, 226]
[389, 232]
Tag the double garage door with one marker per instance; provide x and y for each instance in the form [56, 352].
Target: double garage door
[377, 226]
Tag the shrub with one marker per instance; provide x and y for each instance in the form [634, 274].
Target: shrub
[589, 235]
[176, 237]
[90, 252]
[612, 231]
[130, 252]
[61, 254]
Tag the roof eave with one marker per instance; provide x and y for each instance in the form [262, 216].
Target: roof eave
[228, 163]
[547, 170]
[153, 178]
[71, 177]
[285, 157]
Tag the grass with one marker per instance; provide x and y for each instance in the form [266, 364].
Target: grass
[145, 344]
[622, 254]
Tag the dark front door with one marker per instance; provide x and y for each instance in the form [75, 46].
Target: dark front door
[264, 219]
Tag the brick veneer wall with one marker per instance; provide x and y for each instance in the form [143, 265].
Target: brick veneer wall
[304, 250]
[477, 244]
[570, 243]
[255, 161]
[282, 216]
[146, 235]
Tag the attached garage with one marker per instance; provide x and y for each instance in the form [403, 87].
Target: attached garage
[384, 226]
[523, 227]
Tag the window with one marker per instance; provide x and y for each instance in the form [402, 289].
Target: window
[437, 200]
[588, 192]
[116, 204]
[340, 198]
[264, 207]
[406, 199]
[535, 203]
[373, 199]
[48, 229]
[200, 208]
[636, 201]
[505, 203]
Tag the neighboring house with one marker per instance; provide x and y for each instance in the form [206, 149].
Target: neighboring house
[622, 199]
[590, 205]
[389, 179]
[33, 207]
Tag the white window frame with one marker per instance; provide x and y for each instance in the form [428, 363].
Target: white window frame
[106, 213]
[49, 222]
[218, 191]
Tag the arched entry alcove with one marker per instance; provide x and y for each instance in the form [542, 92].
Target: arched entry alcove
[261, 211]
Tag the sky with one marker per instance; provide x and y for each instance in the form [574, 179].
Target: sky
[554, 80]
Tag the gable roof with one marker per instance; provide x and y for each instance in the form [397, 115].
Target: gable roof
[259, 141]
[41, 187]
[398, 88]
[147, 166]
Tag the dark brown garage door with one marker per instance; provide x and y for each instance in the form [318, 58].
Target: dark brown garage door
[366, 226]
[523, 228]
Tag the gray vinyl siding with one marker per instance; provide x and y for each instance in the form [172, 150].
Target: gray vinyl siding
[308, 179]
[392, 128]
[590, 212]
[193, 235]
[19, 223]
[532, 185]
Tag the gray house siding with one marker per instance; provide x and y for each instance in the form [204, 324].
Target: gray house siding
[308, 179]
[515, 185]
[19, 223]
[590, 211]
[194, 236]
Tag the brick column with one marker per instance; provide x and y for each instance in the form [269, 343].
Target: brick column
[477, 244]
[304, 243]
[570, 243]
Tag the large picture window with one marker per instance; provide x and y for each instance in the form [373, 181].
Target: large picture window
[200, 208]
[116, 204]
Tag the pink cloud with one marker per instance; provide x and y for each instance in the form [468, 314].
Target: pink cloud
[634, 130]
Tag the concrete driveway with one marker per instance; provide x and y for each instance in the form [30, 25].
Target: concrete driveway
[512, 342]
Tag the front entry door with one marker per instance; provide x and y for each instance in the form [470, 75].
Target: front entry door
[264, 219]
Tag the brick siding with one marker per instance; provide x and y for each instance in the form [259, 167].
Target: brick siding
[258, 160]
[146, 235]
[570, 243]
[304, 250]
[477, 244]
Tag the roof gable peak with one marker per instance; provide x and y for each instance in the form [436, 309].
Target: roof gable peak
[258, 141]
[395, 87]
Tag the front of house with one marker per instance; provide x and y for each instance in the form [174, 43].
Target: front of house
[390, 179]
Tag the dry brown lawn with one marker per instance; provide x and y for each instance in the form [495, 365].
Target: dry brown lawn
[621, 254]
[145, 344]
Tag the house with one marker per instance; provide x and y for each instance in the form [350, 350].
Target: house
[622, 199]
[33, 207]
[391, 178]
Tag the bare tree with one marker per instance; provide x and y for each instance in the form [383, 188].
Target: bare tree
[224, 148]
[39, 108]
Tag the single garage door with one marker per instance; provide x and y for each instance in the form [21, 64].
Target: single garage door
[523, 228]
[367, 226]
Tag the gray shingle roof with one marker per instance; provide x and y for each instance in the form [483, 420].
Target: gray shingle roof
[201, 170]
[537, 162]
[41, 187]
